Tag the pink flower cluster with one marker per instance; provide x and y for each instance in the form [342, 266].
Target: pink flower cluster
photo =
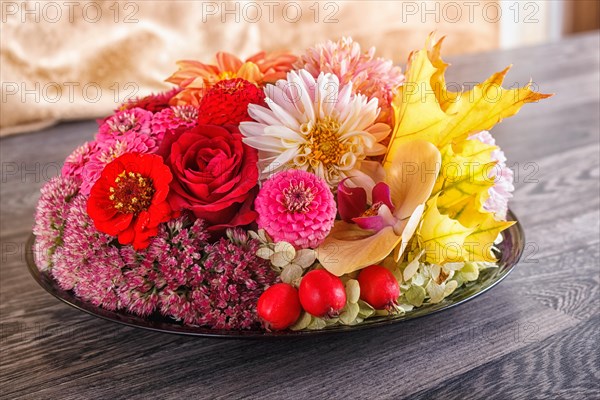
[179, 275]
[128, 131]
[50, 217]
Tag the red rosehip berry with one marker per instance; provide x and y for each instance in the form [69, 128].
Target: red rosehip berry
[378, 287]
[279, 306]
[322, 294]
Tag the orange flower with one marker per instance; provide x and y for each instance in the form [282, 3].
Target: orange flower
[196, 78]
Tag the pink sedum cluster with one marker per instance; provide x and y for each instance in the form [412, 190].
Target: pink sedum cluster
[50, 217]
[297, 207]
[179, 275]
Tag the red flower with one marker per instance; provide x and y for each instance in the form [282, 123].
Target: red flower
[129, 198]
[227, 102]
[153, 102]
[214, 175]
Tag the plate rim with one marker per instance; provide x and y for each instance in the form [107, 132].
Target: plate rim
[124, 318]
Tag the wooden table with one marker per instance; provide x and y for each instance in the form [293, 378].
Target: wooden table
[534, 336]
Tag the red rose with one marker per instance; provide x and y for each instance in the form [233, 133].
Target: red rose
[215, 175]
[129, 198]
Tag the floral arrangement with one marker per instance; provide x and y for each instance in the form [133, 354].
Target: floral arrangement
[285, 192]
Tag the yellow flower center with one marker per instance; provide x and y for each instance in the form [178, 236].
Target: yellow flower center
[373, 210]
[324, 142]
[227, 75]
[132, 193]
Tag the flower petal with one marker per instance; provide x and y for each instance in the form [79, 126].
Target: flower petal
[348, 248]
[412, 175]
[382, 194]
[352, 202]
[377, 222]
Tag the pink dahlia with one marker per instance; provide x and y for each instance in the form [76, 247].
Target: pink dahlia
[297, 207]
[75, 162]
[373, 77]
[50, 218]
[503, 178]
[107, 151]
[122, 123]
[174, 120]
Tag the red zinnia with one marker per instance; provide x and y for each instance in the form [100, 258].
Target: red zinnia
[153, 102]
[227, 102]
[129, 198]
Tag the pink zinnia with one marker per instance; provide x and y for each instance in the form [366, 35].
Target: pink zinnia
[373, 77]
[75, 162]
[503, 178]
[297, 207]
[124, 123]
[174, 120]
[110, 150]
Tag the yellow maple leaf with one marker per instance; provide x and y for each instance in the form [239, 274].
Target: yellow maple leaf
[464, 173]
[425, 109]
[440, 236]
[478, 244]
[470, 213]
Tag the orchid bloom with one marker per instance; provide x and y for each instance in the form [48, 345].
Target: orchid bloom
[366, 237]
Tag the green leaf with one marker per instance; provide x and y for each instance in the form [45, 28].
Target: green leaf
[317, 324]
[364, 309]
[352, 291]
[415, 295]
[291, 272]
[303, 321]
[349, 313]
[469, 272]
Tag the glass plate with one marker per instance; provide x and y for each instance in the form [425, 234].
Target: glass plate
[511, 250]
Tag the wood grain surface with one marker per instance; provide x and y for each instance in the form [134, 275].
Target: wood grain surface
[535, 336]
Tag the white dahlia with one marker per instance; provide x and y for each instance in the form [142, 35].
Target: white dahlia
[316, 125]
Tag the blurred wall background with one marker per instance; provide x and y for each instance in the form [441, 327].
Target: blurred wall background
[62, 60]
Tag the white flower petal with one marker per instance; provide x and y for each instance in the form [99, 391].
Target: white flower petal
[281, 160]
[280, 97]
[284, 133]
[262, 114]
[262, 143]
[250, 129]
[284, 117]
